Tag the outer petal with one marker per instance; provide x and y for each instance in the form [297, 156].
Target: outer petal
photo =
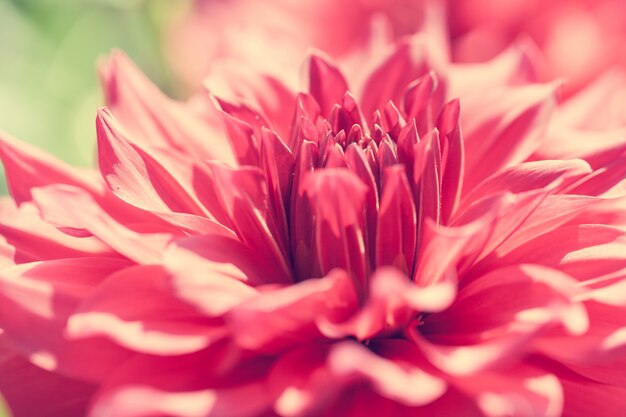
[160, 183]
[522, 391]
[31, 391]
[27, 167]
[587, 398]
[138, 309]
[37, 300]
[28, 238]
[154, 119]
[391, 303]
[506, 131]
[582, 251]
[406, 62]
[495, 318]
[208, 383]
[69, 207]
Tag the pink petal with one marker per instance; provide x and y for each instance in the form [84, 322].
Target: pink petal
[31, 239]
[337, 198]
[138, 177]
[508, 213]
[452, 159]
[31, 391]
[138, 401]
[215, 273]
[530, 176]
[407, 61]
[506, 131]
[326, 82]
[523, 391]
[391, 303]
[137, 309]
[231, 81]
[69, 207]
[397, 223]
[283, 317]
[37, 300]
[585, 398]
[495, 318]
[27, 167]
[155, 120]
[582, 251]
[242, 197]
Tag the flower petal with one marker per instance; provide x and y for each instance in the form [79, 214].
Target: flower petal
[154, 119]
[138, 309]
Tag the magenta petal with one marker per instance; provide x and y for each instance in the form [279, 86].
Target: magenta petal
[549, 175]
[138, 178]
[146, 401]
[391, 302]
[326, 83]
[522, 391]
[582, 251]
[406, 62]
[27, 387]
[337, 197]
[241, 195]
[452, 159]
[397, 222]
[585, 398]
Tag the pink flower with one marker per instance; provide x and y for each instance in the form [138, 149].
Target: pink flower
[359, 248]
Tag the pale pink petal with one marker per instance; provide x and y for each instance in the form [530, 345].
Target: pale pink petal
[29, 238]
[154, 119]
[506, 131]
[215, 273]
[65, 206]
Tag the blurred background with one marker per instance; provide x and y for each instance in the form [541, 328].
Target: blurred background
[49, 88]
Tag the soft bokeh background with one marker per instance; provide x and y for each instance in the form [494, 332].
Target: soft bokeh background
[48, 52]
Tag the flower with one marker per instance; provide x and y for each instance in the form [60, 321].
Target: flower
[356, 248]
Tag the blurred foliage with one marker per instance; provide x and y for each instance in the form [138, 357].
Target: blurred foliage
[3, 409]
[49, 89]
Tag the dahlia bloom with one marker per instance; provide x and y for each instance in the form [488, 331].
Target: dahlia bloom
[365, 246]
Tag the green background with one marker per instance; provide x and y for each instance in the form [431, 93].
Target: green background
[49, 88]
